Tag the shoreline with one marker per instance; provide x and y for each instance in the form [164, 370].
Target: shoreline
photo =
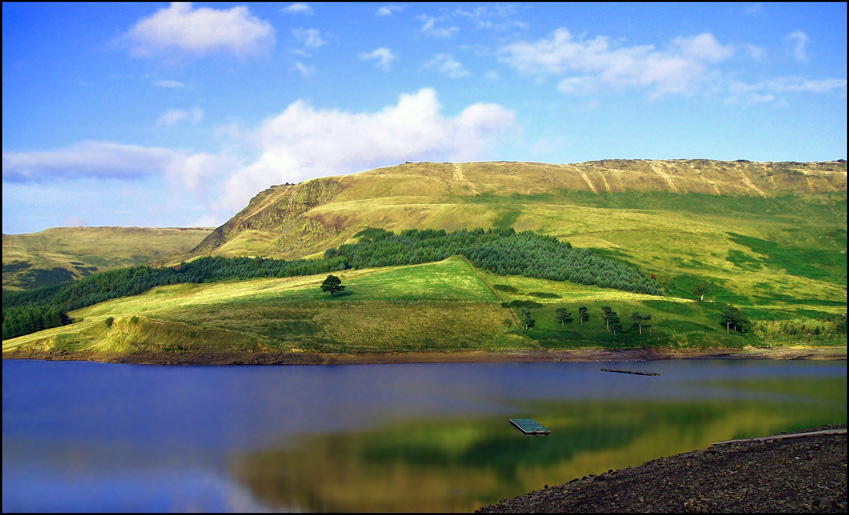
[587, 355]
[802, 472]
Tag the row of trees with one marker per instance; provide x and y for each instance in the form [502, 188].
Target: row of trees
[612, 321]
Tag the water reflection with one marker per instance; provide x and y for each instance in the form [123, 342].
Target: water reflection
[459, 465]
[99, 437]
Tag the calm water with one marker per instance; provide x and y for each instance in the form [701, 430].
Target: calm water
[83, 436]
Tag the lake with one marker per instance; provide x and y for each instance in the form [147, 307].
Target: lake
[80, 436]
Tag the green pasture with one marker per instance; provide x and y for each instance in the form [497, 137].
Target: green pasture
[444, 306]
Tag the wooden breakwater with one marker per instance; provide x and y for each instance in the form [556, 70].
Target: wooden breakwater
[629, 372]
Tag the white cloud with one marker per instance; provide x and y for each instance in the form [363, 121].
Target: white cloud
[755, 52]
[446, 64]
[387, 10]
[767, 91]
[598, 63]
[173, 117]
[491, 75]
[498, 16]
[169, 84]
[310, 38]
[303, 142]
[383, 56]
[429, 27]
[298, 8]
[200, 31]
[101, 160]
[798, 40]
[754, 9]
[306, 71]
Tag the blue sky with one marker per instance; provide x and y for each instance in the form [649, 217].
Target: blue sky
[175, 115]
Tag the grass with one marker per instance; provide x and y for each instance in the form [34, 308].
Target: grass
[776, 257]
[64, 254]
[444, 306]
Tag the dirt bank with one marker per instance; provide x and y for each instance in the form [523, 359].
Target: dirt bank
[567, 355]
[803, 474]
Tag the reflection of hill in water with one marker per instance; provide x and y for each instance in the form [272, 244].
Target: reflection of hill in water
[460, 465]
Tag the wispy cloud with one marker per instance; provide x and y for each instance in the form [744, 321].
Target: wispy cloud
[310, 38]
[299, 8]
[306, 71]
[769, 90]
[387, 10]
[200, 31]
[429, 27]
[174, 117]
[755, 52]
[754, 8]
[169, 84]
[597, 63]
[383, 57]
[446, 64]
[103, 160]
[798, 41]
[497, 16]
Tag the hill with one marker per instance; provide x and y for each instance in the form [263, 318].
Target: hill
[769, 238]
[442, 307]
[757, 232]
[63, 254]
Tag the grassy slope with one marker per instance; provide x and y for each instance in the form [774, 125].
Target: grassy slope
[768, 235]
[772, 242]
[445, 306]
[66, 253]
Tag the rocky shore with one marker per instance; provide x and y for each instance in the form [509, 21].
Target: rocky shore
[518, 356]
[776, 475]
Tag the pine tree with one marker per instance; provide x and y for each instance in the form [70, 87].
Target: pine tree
[563, 316]
[583, 315]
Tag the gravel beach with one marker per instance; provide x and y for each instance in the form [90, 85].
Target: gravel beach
[776, 475]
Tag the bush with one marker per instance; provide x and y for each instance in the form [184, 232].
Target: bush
[109, 321]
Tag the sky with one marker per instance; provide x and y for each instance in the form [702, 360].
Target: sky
[176, 115]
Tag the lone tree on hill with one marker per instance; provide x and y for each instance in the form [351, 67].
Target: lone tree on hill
[527, 320]
[332, 284]
[583, 316]
[563, 316]
[701, 290]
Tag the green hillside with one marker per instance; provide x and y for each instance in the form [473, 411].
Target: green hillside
[759, 233]
[767, 238]
[446, 306]
[63, 254]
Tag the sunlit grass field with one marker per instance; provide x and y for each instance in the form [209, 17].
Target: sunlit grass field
[444, 306]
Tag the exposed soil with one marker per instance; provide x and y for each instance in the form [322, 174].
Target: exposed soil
[529, 356]
[801, 474]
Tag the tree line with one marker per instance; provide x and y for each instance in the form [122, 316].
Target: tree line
[503, 251]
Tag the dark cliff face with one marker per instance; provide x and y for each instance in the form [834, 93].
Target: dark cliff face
[272, 208]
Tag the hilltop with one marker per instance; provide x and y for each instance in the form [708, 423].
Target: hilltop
[295, 220]
[63, 254]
